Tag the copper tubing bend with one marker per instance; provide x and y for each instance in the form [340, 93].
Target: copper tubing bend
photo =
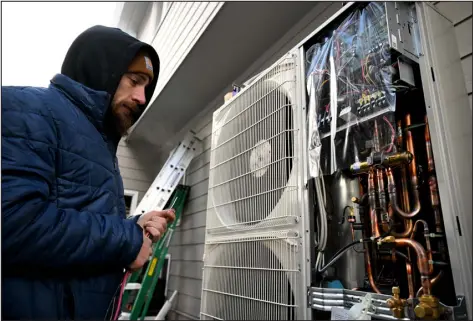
[433, 281]
[427, 242]
[422, 261]
[414, 182]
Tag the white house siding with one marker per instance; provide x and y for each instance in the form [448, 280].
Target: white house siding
[460, 13]
[137, 167]
[182, 25]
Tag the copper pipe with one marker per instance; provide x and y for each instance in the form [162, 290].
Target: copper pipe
[410, 279]
[413, 176]
[427, 242]
[422, 261]
[433, 281]
[369, 270]
[372, 202]
[408, 226]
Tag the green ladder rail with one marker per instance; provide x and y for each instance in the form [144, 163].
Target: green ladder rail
[135, 308]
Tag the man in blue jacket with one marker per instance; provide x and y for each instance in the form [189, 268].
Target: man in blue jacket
[65, 238]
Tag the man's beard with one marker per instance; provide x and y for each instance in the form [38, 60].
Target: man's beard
[122, 123]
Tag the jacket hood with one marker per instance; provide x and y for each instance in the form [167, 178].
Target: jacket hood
[100, 56]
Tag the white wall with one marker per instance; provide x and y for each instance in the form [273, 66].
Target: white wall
[460, 13]
[138, 167]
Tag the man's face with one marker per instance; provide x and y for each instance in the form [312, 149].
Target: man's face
[129, 95]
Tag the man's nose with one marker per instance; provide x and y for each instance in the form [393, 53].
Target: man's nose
[139, 95]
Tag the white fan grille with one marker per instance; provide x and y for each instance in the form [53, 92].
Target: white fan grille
[253, 233]
[253, 174]
[251, 278]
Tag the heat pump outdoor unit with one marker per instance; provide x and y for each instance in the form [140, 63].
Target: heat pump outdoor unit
[327, 167]
[255, 225]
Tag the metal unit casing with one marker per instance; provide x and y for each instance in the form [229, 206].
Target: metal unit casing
[449, 115]
[274, 272]
[428, 38]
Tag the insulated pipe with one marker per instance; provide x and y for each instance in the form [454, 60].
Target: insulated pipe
[434, 196]
[372, 201]
[414, 182]
[382, 200]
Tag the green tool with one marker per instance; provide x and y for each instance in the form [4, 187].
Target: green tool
[135, 307]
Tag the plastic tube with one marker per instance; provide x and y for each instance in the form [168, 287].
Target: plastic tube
[166, 307]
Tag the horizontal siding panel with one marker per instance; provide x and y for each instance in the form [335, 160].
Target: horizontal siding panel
[187, 253]
[203, 119]
[197, 219]
[135, 174]
[127, 162]
[198, 176]
[199, 161]
[179, 31]
[455, 11]
[206, 131]
[136, 185]
[207, 143]
[124, 151]
[187, 304]
[191, 270]
[466, 66]
[192, 287]
[188, 237]
[199, 189]
[196, 205]
[172, 315]
[463, 33]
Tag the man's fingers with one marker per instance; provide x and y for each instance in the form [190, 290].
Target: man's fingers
[155, 233]
[169, 215]
[160, 224]
[147, 242]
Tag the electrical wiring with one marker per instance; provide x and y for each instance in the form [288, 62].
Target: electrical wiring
[116, 314]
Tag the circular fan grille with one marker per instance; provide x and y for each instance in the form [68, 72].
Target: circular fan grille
[254, 154]
[241, 286]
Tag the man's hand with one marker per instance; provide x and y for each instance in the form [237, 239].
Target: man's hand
[155, 222]
[143, 256]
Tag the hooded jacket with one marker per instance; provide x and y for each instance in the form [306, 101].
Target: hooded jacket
[65, 239]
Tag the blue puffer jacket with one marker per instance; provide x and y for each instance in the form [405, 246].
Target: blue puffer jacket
[65, 239]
